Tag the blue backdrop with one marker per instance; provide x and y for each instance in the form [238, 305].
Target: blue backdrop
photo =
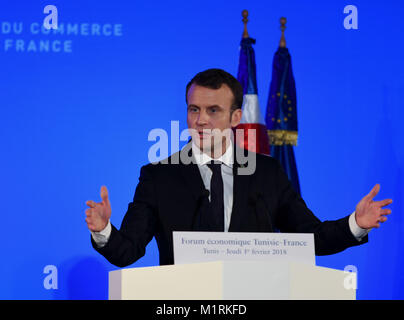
[77, 106]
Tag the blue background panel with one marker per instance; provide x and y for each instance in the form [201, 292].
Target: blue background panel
[79, 118]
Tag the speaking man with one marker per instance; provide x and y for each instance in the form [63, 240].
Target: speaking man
[203, 187]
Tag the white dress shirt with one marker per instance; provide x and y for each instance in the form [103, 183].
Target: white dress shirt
[202, 159]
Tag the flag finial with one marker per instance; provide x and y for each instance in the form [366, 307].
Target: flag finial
[282, 42]
[244, 13]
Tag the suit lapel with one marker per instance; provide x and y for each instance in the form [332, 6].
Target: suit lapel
[191, 175]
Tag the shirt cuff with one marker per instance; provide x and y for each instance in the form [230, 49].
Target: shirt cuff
[357, 231]
[101, 238]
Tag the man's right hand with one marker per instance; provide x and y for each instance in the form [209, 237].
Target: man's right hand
[99, 213]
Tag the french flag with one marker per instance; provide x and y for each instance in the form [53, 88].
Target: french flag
[255, 140]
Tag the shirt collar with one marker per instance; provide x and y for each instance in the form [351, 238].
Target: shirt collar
[202, 158]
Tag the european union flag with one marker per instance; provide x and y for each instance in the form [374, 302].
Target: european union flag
[281, 117]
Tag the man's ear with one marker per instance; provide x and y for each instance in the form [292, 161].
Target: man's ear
[236, 117]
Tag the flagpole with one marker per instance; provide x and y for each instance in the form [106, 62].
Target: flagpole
[244, 14]
[282, 42]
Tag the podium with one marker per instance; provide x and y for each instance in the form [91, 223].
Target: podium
[231, 280]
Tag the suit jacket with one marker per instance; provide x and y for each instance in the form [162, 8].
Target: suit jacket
[169, 198]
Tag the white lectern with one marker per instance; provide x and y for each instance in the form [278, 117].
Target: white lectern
[230, 280]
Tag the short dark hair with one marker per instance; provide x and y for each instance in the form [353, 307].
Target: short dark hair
[214, 79]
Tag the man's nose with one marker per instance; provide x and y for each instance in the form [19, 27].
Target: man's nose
[203, 118]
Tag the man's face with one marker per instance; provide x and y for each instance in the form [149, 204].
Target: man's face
[210, 116]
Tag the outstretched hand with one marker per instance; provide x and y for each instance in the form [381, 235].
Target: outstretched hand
[99, 212]
[369, 213]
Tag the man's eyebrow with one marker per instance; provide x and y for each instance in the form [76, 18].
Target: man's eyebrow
[212, 106]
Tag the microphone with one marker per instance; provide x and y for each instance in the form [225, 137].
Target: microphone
[205, 193]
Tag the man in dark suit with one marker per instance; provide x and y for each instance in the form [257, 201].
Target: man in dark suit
[211, 192]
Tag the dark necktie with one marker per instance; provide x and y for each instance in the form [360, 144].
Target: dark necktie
[216, 197]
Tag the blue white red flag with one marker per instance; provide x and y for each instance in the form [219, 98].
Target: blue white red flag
[255, 131]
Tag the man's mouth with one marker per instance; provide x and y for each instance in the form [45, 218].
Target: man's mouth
[204, 134]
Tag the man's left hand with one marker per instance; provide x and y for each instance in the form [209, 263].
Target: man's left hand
[369, 213]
